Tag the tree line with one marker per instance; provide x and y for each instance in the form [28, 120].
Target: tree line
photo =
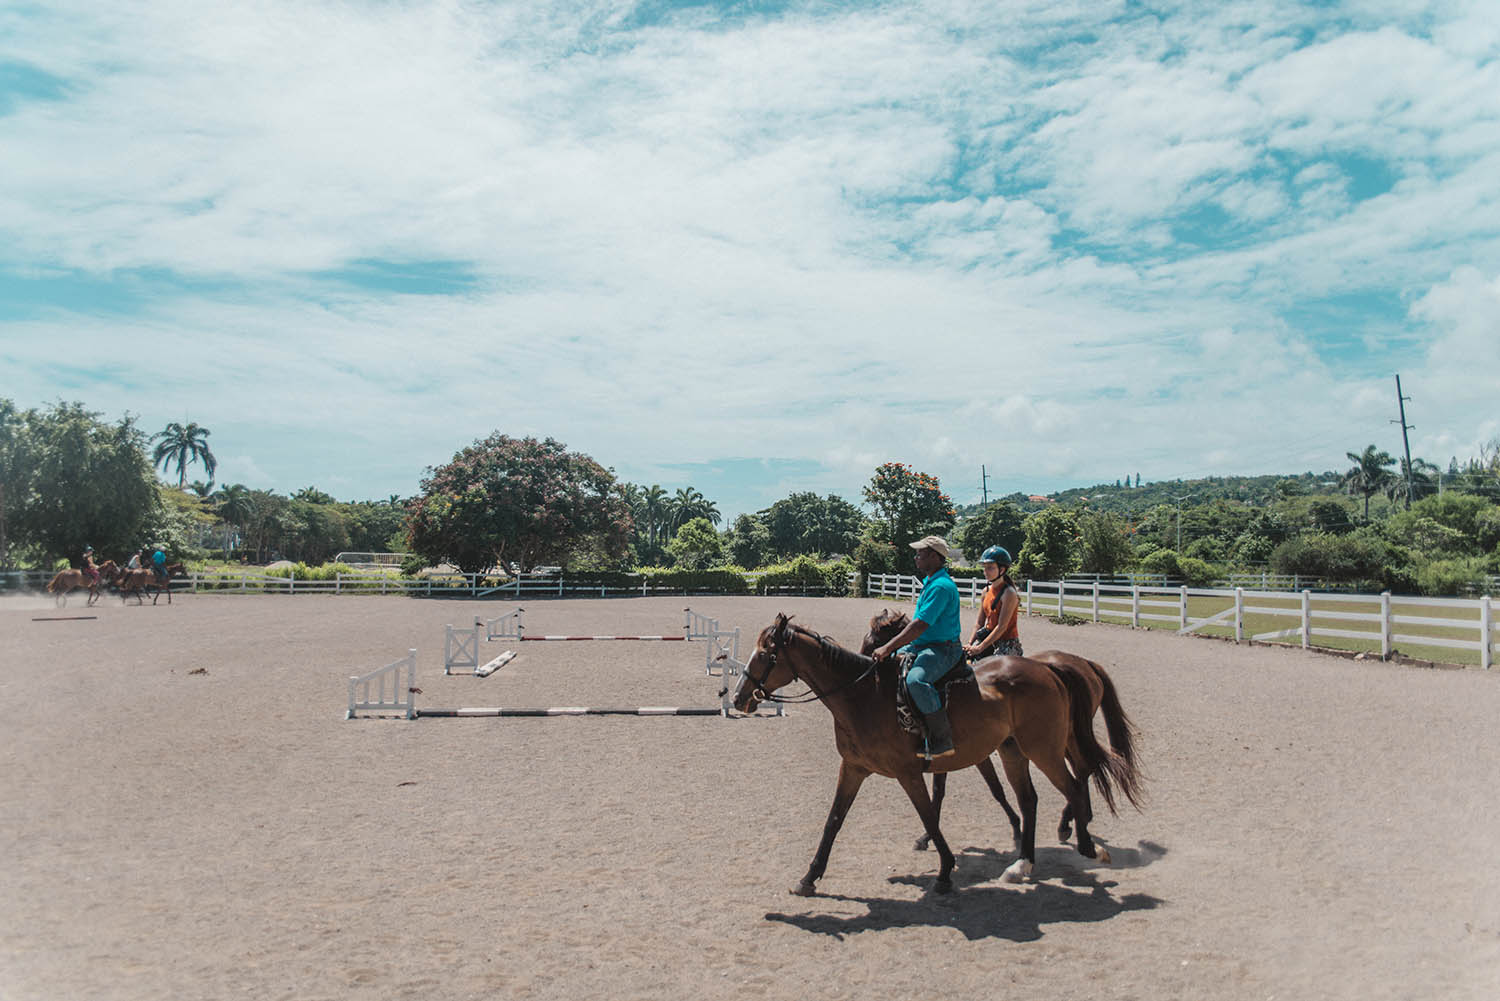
[71, 479]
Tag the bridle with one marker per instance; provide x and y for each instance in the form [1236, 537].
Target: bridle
[778, 645]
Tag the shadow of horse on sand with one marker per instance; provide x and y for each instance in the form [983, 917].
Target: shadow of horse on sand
[1003, 911]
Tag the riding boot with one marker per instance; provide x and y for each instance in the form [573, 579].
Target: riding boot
[939, 735]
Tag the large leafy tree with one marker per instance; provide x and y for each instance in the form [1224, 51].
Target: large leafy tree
[1103, 543]
[696, 546]
[997, 525]
[749, 541]
[1051, 550]
[71, 480]
[1369, 475]
[908, 504]
[181, 445]
[504, 500]
[804, 524]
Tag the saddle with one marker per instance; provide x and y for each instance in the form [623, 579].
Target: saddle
[906, 713]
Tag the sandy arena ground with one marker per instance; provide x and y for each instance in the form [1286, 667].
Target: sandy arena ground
[1317, 828]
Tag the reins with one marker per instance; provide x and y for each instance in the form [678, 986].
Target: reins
[779, 645]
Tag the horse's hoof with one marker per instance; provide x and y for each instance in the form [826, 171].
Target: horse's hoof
[942, 886]
[1064, 833]
[1016, 871]
[923, 843]
[804, 890]
[1087, 849]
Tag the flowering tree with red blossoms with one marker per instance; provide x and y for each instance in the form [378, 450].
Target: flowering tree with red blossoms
[908, 504]
[509, 500]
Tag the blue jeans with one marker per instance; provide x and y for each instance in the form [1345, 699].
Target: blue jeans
[931, 664]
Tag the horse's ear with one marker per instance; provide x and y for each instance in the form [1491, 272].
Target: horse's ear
[783, 628]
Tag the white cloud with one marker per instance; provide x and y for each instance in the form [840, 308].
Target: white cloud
[692, 243]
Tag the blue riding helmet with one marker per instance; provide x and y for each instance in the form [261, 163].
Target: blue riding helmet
[996, 554]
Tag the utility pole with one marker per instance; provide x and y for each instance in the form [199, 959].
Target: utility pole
[1179, 501]
[1405, 444]
[984, 486]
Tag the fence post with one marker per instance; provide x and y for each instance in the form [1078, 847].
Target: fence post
[1135, 606]
[338, 582]
[1028, 596]
[1486, 634]
[1239, 615]
[1385, 625]
[291, 581]
[1182, 607]
[1306, 619]
[1096, 600]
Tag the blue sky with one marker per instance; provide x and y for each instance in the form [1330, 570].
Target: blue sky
[758, 247]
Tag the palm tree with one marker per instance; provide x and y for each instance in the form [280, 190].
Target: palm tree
[1411, 481]
[182, 446]
[1369, 476]
[234, 506]
[654, 506]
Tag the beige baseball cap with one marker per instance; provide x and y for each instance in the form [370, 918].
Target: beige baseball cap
[932, 542]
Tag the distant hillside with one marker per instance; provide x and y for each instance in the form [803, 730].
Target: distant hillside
[1254, 491]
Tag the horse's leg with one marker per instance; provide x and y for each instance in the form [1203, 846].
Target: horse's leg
[1056, 770]
[1081, 770]
[939, 790]
[850, 779]
[987, 769]
[916, 791]
[1018, 772]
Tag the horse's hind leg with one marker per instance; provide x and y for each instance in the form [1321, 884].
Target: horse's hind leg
[1056, 770]
[850, 779]
[1018, 773]
[939, 790]
[1064, 829]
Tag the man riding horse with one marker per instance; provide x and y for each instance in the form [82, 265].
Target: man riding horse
[932, 637]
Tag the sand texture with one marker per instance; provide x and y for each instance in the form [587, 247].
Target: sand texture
[186, 814]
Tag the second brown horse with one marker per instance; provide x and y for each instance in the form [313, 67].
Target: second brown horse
[1102, 696]
[1020, 708]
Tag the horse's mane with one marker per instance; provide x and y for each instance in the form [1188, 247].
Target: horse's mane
[836, 656]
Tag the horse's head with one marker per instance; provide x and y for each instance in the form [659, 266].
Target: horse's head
[769, 667]
[109, 570]
[884, 627]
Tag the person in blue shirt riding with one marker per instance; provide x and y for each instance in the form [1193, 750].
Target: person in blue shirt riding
[933, 636]
[159, 564]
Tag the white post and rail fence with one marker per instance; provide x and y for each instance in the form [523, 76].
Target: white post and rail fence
[1376, 623]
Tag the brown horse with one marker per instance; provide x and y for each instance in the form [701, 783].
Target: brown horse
[1102, 694]
[1019, 707]
[73, 580]
[141, 581]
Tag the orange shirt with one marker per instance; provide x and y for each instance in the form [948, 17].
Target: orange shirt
[989, 614]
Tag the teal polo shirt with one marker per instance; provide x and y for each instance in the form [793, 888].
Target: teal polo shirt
[937, 606]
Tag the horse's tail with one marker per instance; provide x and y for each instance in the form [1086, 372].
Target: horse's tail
[1109, 768]
[1122, 730]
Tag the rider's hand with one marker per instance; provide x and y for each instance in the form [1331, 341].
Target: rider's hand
[881, 652]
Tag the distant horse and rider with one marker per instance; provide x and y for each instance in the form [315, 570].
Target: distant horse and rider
[68, 581]
[134, 579]
[1025, 709]
[139, 581]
